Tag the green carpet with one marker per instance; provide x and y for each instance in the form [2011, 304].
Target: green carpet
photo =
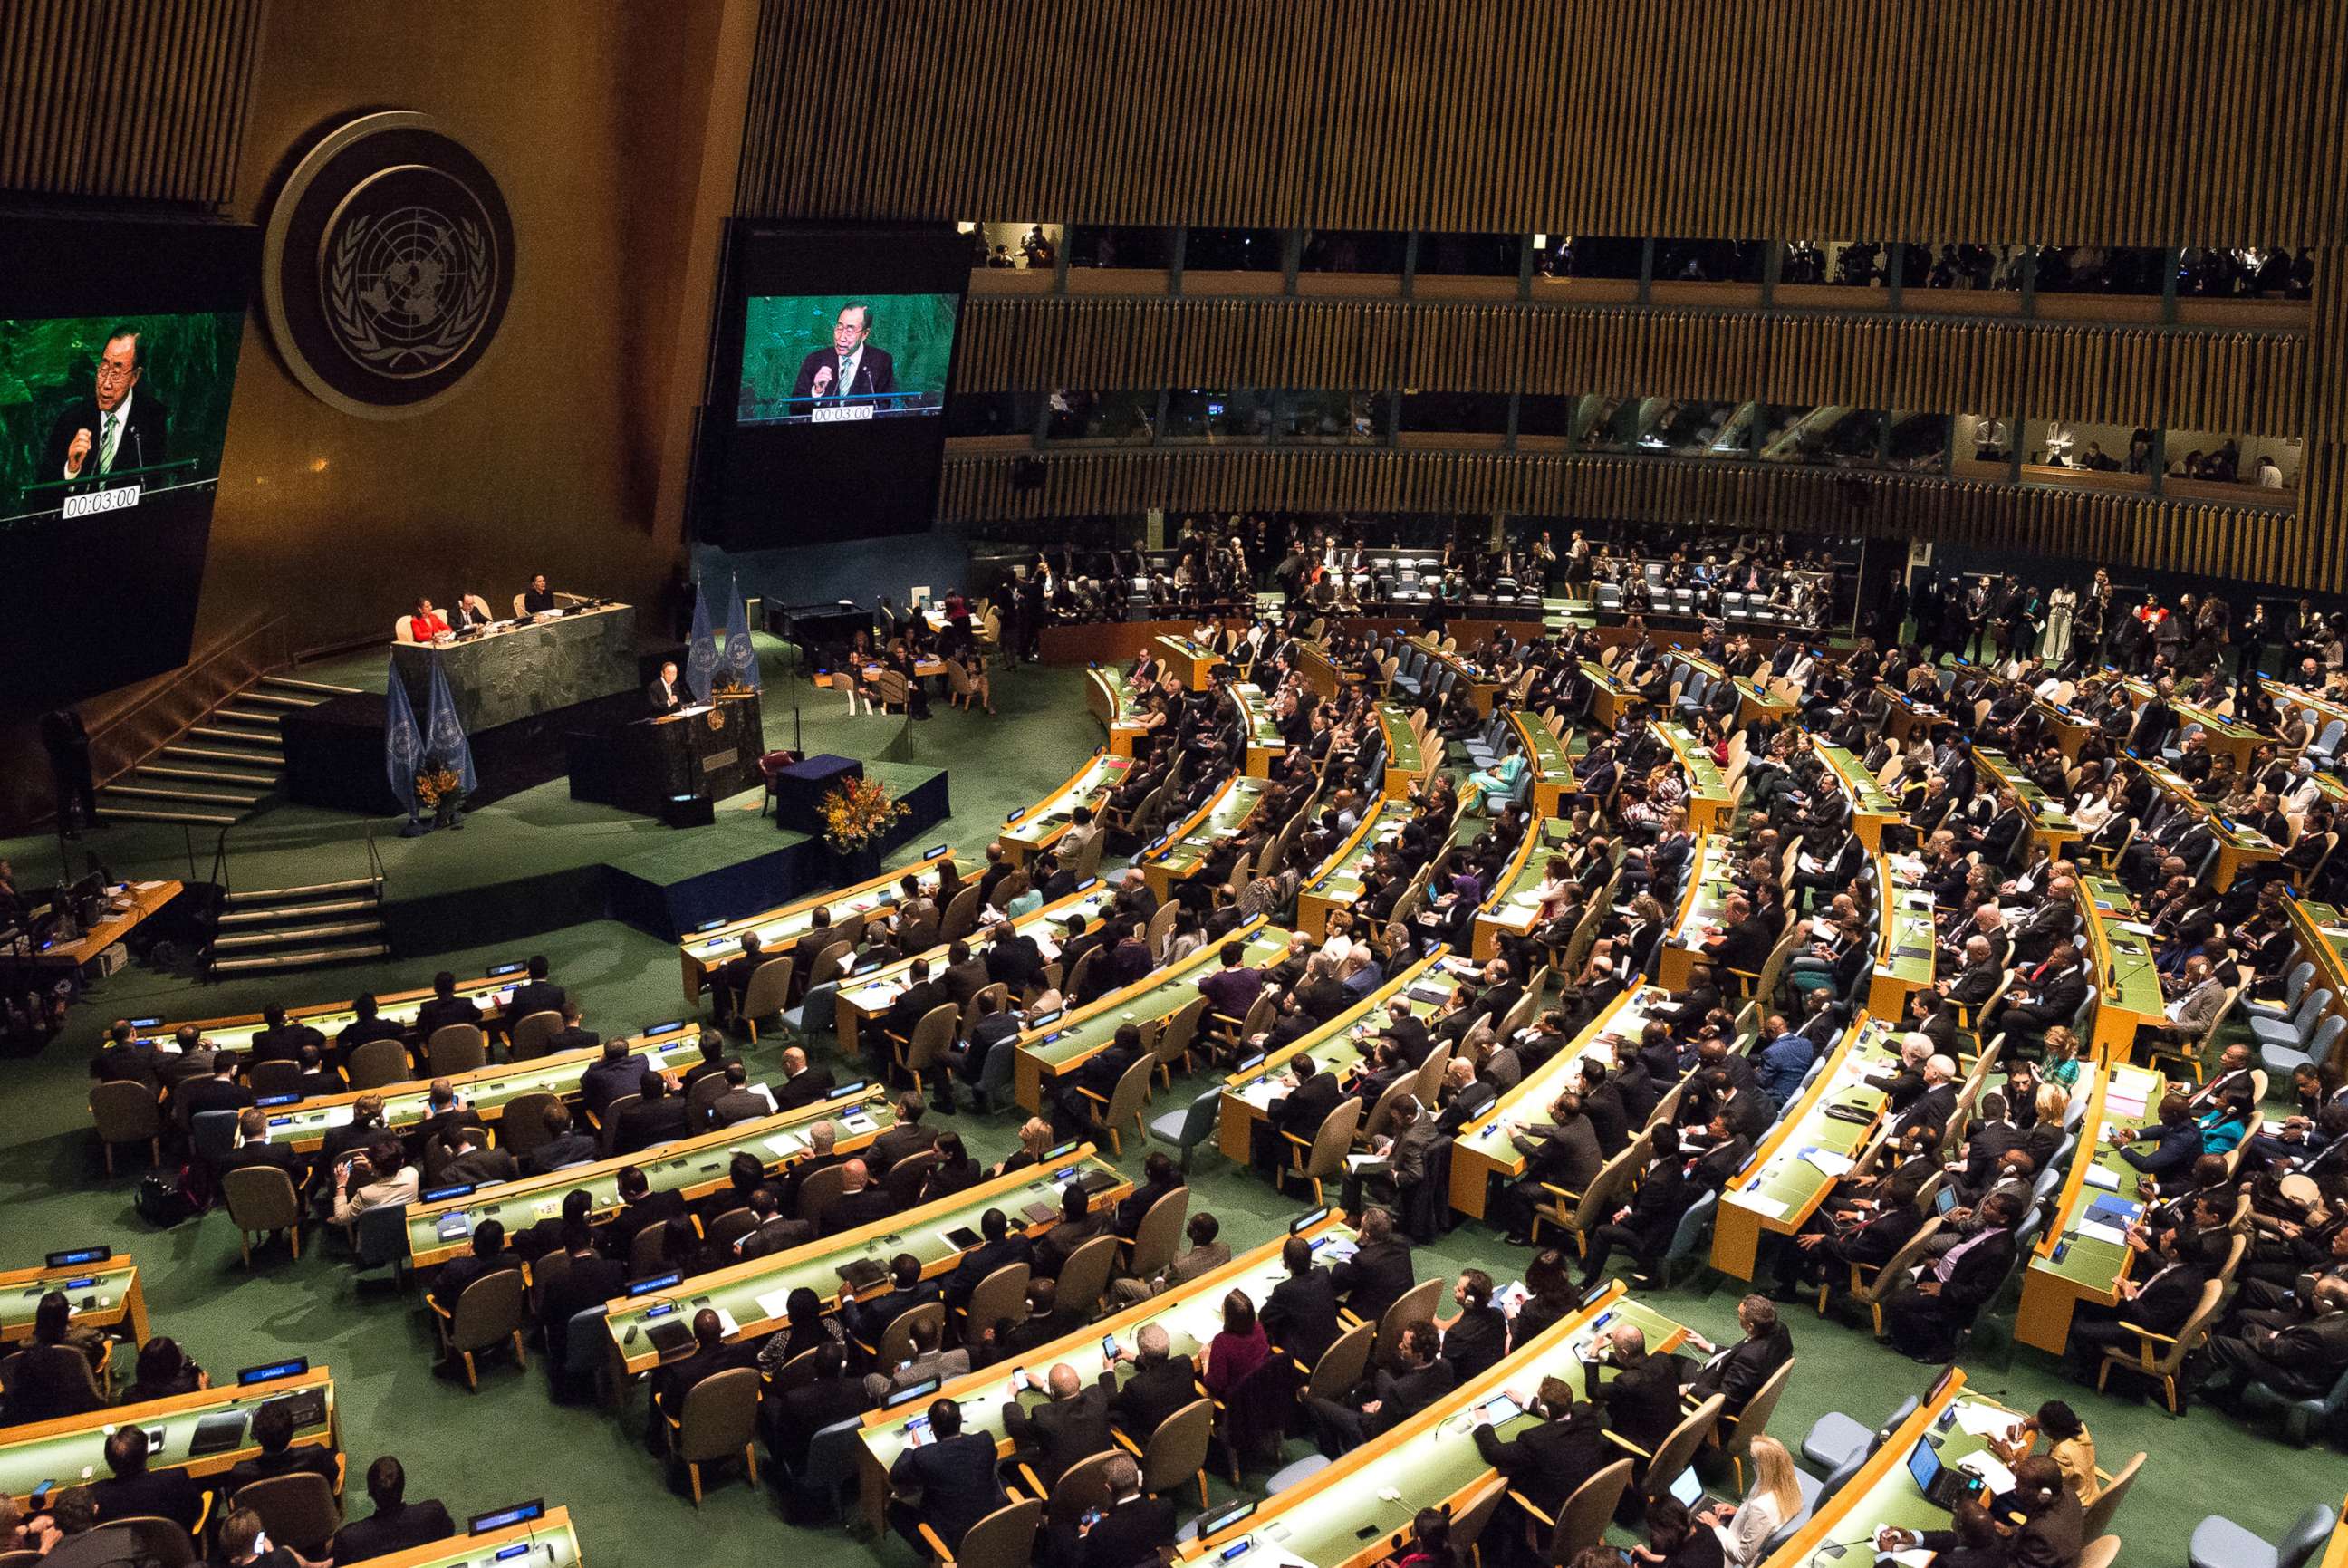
[510, 1442]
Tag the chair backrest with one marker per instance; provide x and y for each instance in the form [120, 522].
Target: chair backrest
[1429, 1079]
[1901, 1262]
[2307, 1533]
[1182, 1030]
[1085, 1276]
[1382, 1115]
[897, 1340]
[299, 1510]
[1003, 1539]
[260, 1198]
[770, 989]
[162, 1542]
[701, 1096]
[1132, 1092]
[381, 1062]
[1473, 1513]
[455, 1048]
[1582, 1521]
[1420, 1301]
[819, 1189]
[613, 1110]
[2108, 1502]
[1754, 1419]
[1343, 1364]
[932, 1035]
[2196, 1327]
[720, 1416]
[1177, 1450]
[961, 917]
[829, 963]
[2101, 1552]
[281, 1077]
[490, 1309]
[126, 1112]
[1002, 1293]
[1159, 1233]
[1335, 1138]
[1675, 1453]
[531, 1033]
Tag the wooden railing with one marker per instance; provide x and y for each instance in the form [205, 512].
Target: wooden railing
[127, 726]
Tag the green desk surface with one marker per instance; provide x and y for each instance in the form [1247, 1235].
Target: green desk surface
[872, 993]
[1189, 647]
[1191, 1314]
[1255, 713]
[1885, 1493]
[1603, 679]
[1371, 1495]
[2322, 939]
[2233, 834]
[548, 1542]
[1339, 1045]
[438, 1231]
[1906, 949]
[71, 1451]
[1124, 696]
[1091, 785]
[1225, 815]
[1782, 1182]
[104, 1286]
[330, 1018]
[1514, 903]
[779, 927]
[2134, 983]
[1547, 753]
[1858, 786]
[753, 1295]
[1402, 742]
[1342, 882]
[2140, 692]
[2044, 814]
[1704, 774]
[2124, 1096]
[1623, 1019]
[1706, 899]
[1070, 1039]
[487, 1089]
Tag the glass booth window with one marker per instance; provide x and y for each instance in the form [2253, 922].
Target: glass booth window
[1482, 413]
[1470, 255]
[2245, 272]
[1689, 428]
[1608, 423]
[1828, 436]
[1962, 266]
[1587, 256]
[1352, 250]
[1080, 415]
[2094, 268]
[1334, 419]
[1845, 264]
[1546, 416]
[1231, 250]
[1708, 260]
[1103, 246]
[992, 413]
[1195, 414]
[1007, 245]
[2257, 462]
[1917, 442]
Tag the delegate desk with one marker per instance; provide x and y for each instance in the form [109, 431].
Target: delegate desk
[1609, 699]
[1872, 806]
[102, 1294]
[487, 1091]
[1264, 743]
[1885, 1491]
[438, 1229]
[1047, 1054]
[2050, 827]
[1703, 904]
[2220, 735]
[1545, 758]
[2068, 725]
[1753, 701]
[1028, 833]
[1409, 763]
[1191, 660]
[1177, 857]
[1812, 1148]
[1321, 672]
[1339, 883]
[128, 905]
[1904, 948]
[1339, 1046]
[235, 1032]
[1191, 1314]
[867, 997]
[1515, 900]
[2126, 976]
[2288, 696]
[1711, 804]
[778, 929]
[1359, 1510]
[751, 1296]
[2323, 933]
[2238, 847]
[2083, 1254]
[1907, 714]
[206, 1433]
[1480, 688]
[546, 1542]
[1483, 1149]
[568, 657]
[1115, 702]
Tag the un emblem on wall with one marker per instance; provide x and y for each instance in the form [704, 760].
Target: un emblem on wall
[389, 261]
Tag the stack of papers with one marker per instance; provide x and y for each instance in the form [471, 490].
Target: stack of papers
[2103, 1179]
[1828, 1160]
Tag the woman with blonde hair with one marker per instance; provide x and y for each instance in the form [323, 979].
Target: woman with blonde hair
[1775, 1498]
[1035, 1139]
[2061, 1067]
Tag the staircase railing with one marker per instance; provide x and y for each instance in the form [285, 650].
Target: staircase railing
[219, 902]
[151, 717]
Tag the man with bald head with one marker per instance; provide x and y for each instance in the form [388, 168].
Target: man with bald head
[1937, 1103]
[1072, 1424]
[862, 1202]
[1642, 1400]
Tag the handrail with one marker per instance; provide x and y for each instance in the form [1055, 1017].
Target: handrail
[219, 902]
[375, 861]
[120, 738]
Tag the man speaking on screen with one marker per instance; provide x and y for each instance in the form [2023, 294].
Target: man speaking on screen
[852, 371]
[118, 427]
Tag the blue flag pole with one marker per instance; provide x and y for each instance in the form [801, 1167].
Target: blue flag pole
[701, 657]
[741, 658]
[403, 742]
[444, 733]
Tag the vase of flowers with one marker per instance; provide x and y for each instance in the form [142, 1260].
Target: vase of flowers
[857, 815]
[440, 792]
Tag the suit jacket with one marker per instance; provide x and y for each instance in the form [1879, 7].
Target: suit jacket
[1935, 1106]
[956, 1482]
[805, 1088]
[1134, 1531]
[984, 1259]
[1977, 1276]
[1301, 1315]
[620, 1234]
[665, 697]
[1155, 1391]
[389, 1530]
[1060, 1432]
[604, 1082]
[852, 1210]
[480, 1165]
[652, 1121]
[1303, 1109]
[568, 1150]
[736, 1105]
[1373, 1278]
[436, 1013]
[534, 996]
[171, 1494]
[875, 372]
[144, 441]
[1738, 1373]
[1547, 1461]
[1564, 1155]
[1642, 1402]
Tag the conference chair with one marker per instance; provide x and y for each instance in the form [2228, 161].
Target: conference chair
[2220, 1543]
[2101, 1552]
[12, 1366]
[919, 1052]
[127, 1112]
[1084, 1278]
[607, 1128]
[819, 1191]
[159, 1543]
[1579, 1213]
[1003, 1539]
[1179, 1034]
[1475, 1514]
[531, 1034]
[1002, 1293]
[299, 1510]
[1156, 1239]
[491, 1312]
[271, 1078]
[896, 1345]
[1340, 1367]
[1734, 1434]
[2108, 1502]
[456, 1048]
[522, 1127]
[1324, 1156]
[1871, 1290]
[1080, 1488]
[1581, 1519]
[1175, 1453]
[1837, 1442]
[262, 1202]
[2301, 1416]
[1193, 1125]
[1125, 1103]
[720, 1419]
[376, 1063]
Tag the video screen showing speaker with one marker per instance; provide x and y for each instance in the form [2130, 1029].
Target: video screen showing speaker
[118, 347]
[829, 375]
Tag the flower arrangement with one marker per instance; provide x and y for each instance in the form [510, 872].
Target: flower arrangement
[857, 812]
[435, 785]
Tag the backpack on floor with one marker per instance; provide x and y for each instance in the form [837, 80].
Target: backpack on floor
[164, 1197]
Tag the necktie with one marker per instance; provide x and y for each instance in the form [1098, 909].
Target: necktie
[847, 369]
[105, 443]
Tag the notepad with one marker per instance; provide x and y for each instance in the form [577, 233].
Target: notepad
[775, 1305]
[1828, 1160]
[1775, 1208]
[782, 1145]
[2097, 1176]
[2090, 1230]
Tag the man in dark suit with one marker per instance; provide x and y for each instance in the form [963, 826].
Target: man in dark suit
[913, 1005]
[1388, 1397]
[572, 1035]
[850, 373]
[273, 1432]
[445, 1007]
[714, 1057]
[2161, 1302]
[711, 1355]
[948, 1484]
[801, 1085]
[281, 1040]
[641, 1208]
[657, 1117]
[740, 1102]
[396, 1523]
[488, 1257]
[369, 1024]
[1737, 1373]
[1642, 1402]
[535, 995]
[1160, 1176]
[134, 1491]
[1646, 1223]
[253, 1148]
[2176, 1140]
[772, 1231]
[908, 1137]
[443, 1114]
[563, 1145]
[1078, 1225]
[1300, 1317]
[472, 1161]
[1561, 1153]
[1547, 1461]
[997, 1248]
[1937, 1103]
[1380, 1271]
[862, 1202]
[1161, 1383]
[1924, 1322]
[1072, 1424]
[1134, 1528]
[121, 426]
[1312, 1096]
[590, 1280]
[665, 693]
